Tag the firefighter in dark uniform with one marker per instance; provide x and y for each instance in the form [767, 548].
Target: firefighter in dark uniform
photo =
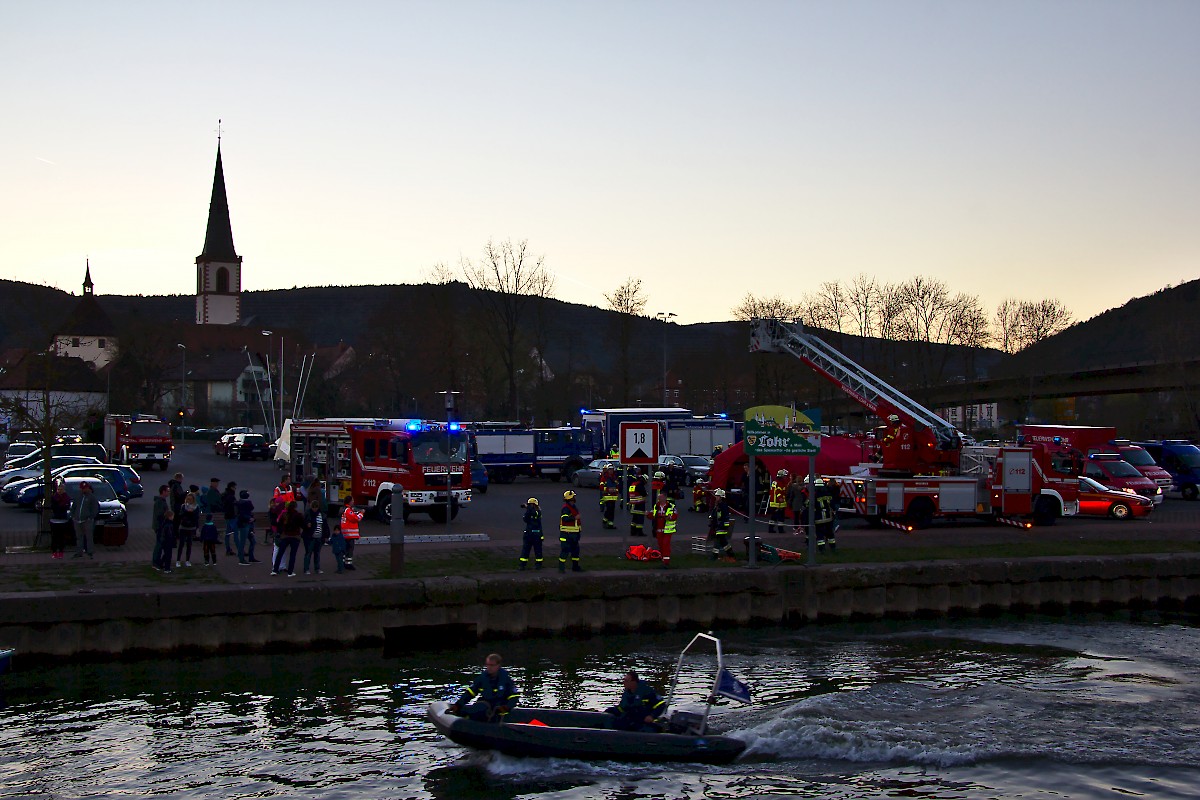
[532, 540]
[720, 527]
[490, 695]
[610, 494]
[640, 708]
[827, 493]
[570, 526]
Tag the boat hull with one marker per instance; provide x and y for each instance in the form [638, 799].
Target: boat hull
[585, 735]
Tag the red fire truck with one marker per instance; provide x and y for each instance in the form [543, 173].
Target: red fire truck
[925, 471]
[369, 462]
[138, 439]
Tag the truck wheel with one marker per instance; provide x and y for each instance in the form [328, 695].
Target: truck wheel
[383, 508]
[920, 513]
[1190, 492]
[556, 477]
[570, 470]
[438, 514]
[1045, 511]
[1120, 511]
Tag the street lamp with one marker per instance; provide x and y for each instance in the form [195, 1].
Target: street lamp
[517, 386]
[182, 388]
[665, 316]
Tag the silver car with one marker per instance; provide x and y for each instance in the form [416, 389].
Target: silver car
[589, 476]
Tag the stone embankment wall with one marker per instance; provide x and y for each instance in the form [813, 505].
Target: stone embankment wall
[420, 612]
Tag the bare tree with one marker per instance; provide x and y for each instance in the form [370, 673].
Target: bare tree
[776, 307]
[507, 281]
[830, 306]
[629, 301]
[1042, 319]
[863, 296]
[1006, 322]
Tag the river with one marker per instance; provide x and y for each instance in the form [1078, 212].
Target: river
[1095, 707]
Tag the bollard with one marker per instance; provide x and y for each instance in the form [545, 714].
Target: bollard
[396, 536]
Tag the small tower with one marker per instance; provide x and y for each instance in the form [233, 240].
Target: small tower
[218, 267]
[88, 332]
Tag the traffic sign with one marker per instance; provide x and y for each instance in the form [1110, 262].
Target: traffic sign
[639, 443]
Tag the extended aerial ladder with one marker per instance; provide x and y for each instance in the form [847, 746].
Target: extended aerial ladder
[930, 442]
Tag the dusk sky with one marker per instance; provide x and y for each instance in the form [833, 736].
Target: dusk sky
[1024, 149]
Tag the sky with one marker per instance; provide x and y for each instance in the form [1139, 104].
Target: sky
[1010, 149]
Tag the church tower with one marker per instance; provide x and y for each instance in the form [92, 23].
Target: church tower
[219, 267]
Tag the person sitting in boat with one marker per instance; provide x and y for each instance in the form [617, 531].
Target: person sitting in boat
[640, 706]
[490, 695]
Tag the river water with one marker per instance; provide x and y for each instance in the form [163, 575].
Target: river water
[1097, 707]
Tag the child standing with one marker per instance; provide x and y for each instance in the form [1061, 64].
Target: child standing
[208, 539]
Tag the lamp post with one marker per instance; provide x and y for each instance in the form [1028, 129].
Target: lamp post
[450, 414]
[665, 316]
[182, 388]
[517, 386]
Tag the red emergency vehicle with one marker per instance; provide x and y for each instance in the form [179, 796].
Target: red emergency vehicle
[138, 439]
[925, 471]
[1116, 463]
[375, 463]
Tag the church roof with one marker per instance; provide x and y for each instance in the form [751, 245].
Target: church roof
[65, 374]
[218, 239]
[88, 319]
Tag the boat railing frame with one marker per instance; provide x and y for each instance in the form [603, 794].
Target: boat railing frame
[708, 700]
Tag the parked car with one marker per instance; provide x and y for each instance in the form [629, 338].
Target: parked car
[479, 477]
[1096, 499]
[248, 446]
[222, 443]
[30, 492]
[590, 475]
[18, 450]
[91, 449]
[112, 511]
[136, 489]
[34, 469]
[674, 468]
[68, 436]
[697, 468]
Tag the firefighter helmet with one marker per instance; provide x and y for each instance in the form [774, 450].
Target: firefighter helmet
[783, 473]
[533, 501]
[894, 419]
[718, 449]
[568, 495]
[660, 475]
[719, 493]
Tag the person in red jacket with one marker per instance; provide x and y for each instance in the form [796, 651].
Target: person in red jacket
[350, 520]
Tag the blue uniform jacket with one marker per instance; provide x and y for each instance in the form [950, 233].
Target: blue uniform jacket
[497, 691]
[635, 706]
[533, 521]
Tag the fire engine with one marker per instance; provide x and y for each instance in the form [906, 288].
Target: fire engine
[138, 439]
[925, 471]
[368, 462]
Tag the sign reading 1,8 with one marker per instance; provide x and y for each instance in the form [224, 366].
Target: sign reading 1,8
[639, 442]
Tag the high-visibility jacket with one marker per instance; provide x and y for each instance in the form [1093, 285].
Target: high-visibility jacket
[778, 496]
[665, 518]
[610, 489]
[614, 452]
[284, 496]
[569, 520]
[350, 520]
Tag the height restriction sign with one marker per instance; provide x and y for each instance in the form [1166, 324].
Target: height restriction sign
[639, 442]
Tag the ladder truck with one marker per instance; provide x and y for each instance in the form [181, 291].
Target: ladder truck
[926, 472]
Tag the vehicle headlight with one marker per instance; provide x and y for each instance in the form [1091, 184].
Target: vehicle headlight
[1159, 491]
[1127, 490]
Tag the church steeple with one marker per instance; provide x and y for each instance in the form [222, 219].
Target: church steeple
[88, 286]
[218, 239]
[219, 267]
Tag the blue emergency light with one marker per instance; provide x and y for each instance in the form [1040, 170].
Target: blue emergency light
[412, 426]
[454, 426]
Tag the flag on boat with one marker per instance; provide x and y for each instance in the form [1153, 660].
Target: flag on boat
[731, 687]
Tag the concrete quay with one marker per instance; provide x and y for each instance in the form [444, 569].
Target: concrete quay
[117, 622]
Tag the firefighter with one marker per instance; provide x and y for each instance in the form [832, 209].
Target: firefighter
[658, 485]
[350, 520]
[720, 526]
[826, 493]
[614, 452]
[700, 496]
[610, 493]
[777, 501]
[533, 537]
[716, 451]
[664, 517]
[570, 525]
[637, 505]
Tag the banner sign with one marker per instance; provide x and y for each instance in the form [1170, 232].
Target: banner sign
[780, 431]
